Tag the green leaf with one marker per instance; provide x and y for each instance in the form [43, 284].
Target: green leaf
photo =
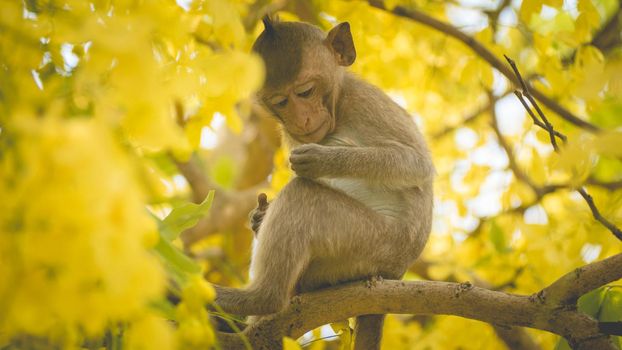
[184, 217]
[604, 304]
[176, 262]
[590, 303]
[611, 308]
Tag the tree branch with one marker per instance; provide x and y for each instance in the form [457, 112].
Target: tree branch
[611, 186]
[611, 328]
[516, 338]
[566, 290]
[552, 309]
[485, 54]
[608, 37]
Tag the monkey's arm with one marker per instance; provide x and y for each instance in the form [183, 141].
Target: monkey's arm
[391, 164]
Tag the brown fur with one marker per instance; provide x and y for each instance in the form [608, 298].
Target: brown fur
[361, 204]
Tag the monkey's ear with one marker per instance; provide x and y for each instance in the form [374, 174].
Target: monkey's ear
[339, 39]
[268, 23]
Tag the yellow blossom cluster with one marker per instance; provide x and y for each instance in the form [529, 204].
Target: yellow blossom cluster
[194, 330]
[89, 90]
[75, 234]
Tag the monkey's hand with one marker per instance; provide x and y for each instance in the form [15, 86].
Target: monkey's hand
[310, 160]
[256, 216]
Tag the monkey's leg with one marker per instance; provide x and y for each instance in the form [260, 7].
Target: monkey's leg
[368, 332]
[272, 286]
[280, 255]
[309, 221]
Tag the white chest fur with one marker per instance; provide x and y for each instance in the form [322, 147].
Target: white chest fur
[375, 196]
[378, 198]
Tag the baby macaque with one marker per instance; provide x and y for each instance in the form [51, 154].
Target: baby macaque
[361, 203]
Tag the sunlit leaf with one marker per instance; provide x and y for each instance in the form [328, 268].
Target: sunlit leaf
[611, 308]
[177, 263]
[184, 217]
[590, 303]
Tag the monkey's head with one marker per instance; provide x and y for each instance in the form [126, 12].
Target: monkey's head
[304, 69]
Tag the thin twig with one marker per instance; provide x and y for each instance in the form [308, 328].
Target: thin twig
[547, 126]
[596, 213]
[537, 121]
[527, 93]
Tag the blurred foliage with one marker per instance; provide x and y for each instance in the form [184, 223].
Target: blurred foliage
[117, 115]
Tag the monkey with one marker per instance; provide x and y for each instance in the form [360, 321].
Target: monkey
[361, 202]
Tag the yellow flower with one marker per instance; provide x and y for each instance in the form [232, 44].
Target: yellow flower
[149, 333]
[73, 230]
[198, 292]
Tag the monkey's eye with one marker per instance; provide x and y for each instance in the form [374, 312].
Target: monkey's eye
[305, 90]
[279, 101]
[282, 103]
[306, 93]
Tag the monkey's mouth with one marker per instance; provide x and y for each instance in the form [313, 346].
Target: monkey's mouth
[310, 133]
[313, 136]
